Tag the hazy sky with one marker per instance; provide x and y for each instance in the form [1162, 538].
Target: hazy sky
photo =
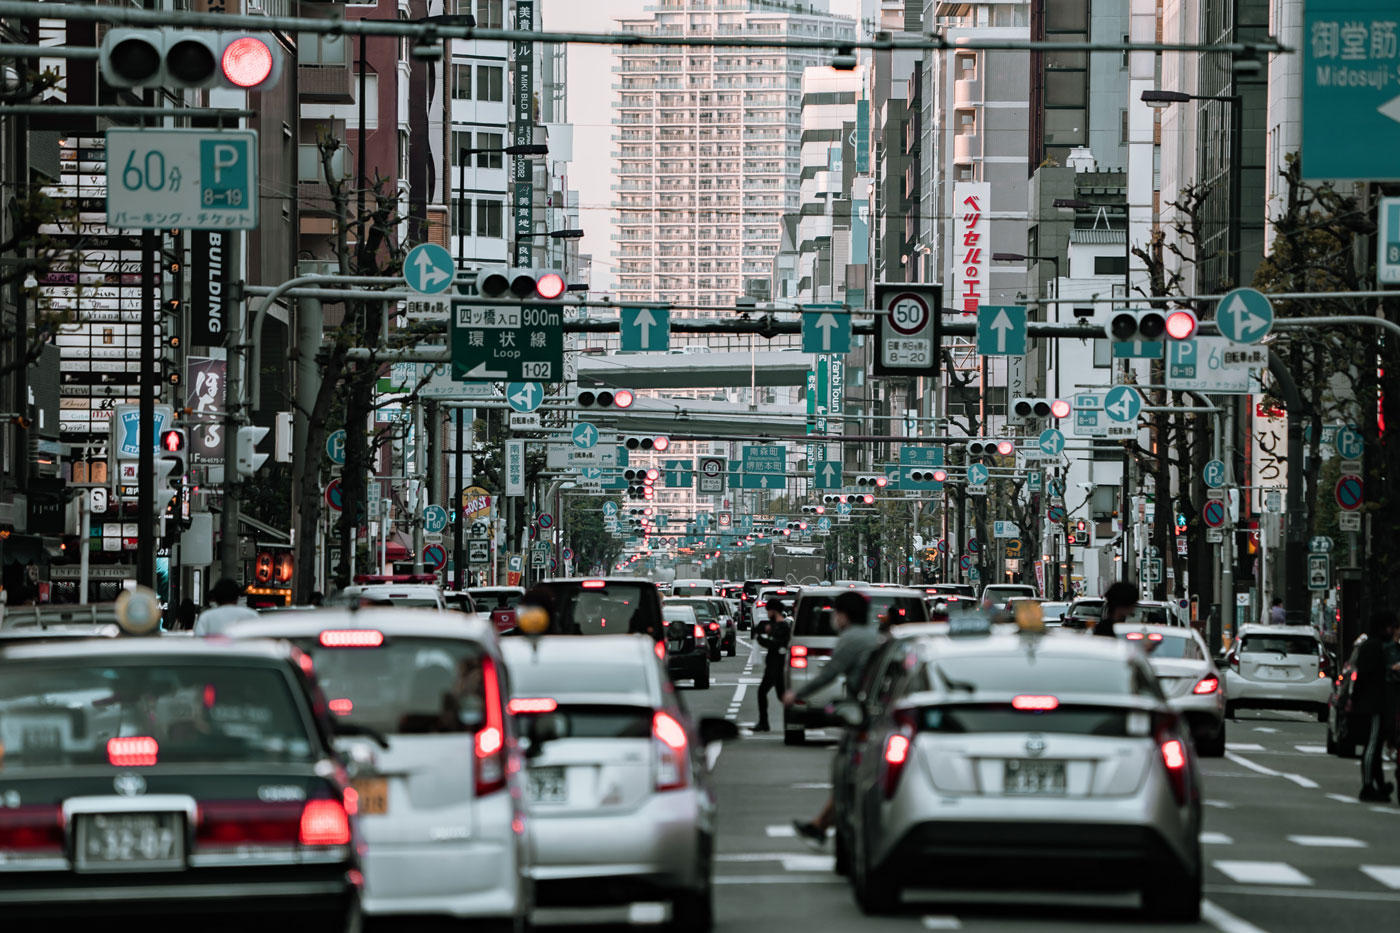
[590, 99]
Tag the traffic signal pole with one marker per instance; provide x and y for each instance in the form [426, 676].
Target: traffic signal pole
[233, 410]
[146, 385]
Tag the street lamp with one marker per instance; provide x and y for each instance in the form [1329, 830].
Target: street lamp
[463, 157]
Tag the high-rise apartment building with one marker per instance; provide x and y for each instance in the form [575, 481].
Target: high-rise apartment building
[708, 144]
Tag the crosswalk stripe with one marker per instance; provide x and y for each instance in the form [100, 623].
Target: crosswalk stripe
[780, 832]
[942, 923]
[1224, 921]
[1216, 839]
[1327, 842]
[1342, 798]
[1312, 749]
[1388, 875]
[1244, 747]
[1248, 872]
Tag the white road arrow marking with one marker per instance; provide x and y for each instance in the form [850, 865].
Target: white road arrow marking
[1001, 324]
[645, 322]
[827, 471]
[479, 371]
[429, 274]
[1390, 108]
[526, 395]
[826, 323]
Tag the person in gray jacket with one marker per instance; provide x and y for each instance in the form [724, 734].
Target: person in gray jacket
[856, 641]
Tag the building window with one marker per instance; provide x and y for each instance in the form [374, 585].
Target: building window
[1123, 133]
[488, 83]
[488, 218]
[1110, 265]
[316, 49]
[461, 217]
[462, 82]
[461, 141]
[489, 141]
[489, 15]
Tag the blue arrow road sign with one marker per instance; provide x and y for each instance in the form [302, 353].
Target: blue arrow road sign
[335, 446]
[1051, 441]
[428, 269]
[826, 332]
[434, 519]
[1214, 474]
[1349, 90]
[1245, 315]
[1001, 330]
[524, 396]
[610, 509]
[1122, 403]
[1350, 444]
[646, 330]
[827, 473]
[977, 474]
[585, 436]
[679, 474]
[823, 524]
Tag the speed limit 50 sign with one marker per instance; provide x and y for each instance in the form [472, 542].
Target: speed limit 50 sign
[906, 328]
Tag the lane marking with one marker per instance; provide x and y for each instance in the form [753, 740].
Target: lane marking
[1342, 798]
[712, 754]
[1265, 729]
[1327, 842]
[778, 879]
[1388, 875]
[754, 856]
[1219, 804]
[1312, 749]
[1391, 810]
[646, 913]
[1243, 747]
[1216, 839]
[1250, 872]
[942, 923]
[1260, 769]
[1319, 894]
[740, 690]
[826, 863]
[1224, 921]
[780, 832]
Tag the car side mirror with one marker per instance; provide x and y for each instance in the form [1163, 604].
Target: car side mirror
[717, 730]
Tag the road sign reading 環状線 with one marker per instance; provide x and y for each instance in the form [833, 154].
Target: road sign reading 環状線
[1350, 495]
[1245, 315]
[1350, 90]
[678, 474]
[524, 397]
[508, 344]
[195, 179]
[645, 330]
[1001, 330]
[1388, 242]
[1214, 474]
[826, 329]
[906, 324]
[1122, 403]
[1213, 513]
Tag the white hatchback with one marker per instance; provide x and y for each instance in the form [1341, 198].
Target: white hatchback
[1277, 667]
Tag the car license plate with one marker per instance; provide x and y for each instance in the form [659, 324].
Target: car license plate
[374, 795]
[1034, 777]
[130, 841]
[547, 785]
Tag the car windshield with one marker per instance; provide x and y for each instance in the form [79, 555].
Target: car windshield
[405, 685]
[1038, 673]
[1260, 643]
[989, 717]
[702, 608]
[1152, 615]
[56, 715]
[496, 599]
[1161, 645]
[1087, 610]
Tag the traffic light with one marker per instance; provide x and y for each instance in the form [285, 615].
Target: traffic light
[622, 398]
[1181, 324]
[1128, 326]
[165, 490]
[524, 284]
[929, 476]
[834, 499]
[182, 58]
[175, 446]
[878, 482]
[247, 460]
[1040, 408]
[644, 442]
[988, 446]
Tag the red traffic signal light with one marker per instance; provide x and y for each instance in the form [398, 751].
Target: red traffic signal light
[173, 441]
[1005, 448]
[1080, 525]
[1059, 408]
[247, 62]
[661, 443]
[869, 499]
[550, 285]
[622, 398]
[1181, 324]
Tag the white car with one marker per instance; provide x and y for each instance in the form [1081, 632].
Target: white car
[1277, 667]
[418, 702]
[620, 807]
[1194, 688]
[399, 595]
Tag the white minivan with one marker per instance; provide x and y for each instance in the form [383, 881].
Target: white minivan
[693, 588]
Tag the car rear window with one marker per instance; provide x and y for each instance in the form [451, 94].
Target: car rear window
[1039, 674]
[616, 608]
[751, 587]
[74, 714]
[529, 679]
[1152, 615]
[599, 721]
[1278, 644]
[1165, 646]
[692, 589]
[1086, 610]
[814, 616]
[678, 613]
[491, 599]
[702, 609]
[406, 685]
[1002, 717]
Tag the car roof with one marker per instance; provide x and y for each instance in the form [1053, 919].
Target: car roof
[1006, 640]
[57, 632]
[572, 580]
[1176, 631]
[1255, 628]
[572, 651]
[407, 589]
[492, 589]
[158, 649]
[424, 623]
[884, 590]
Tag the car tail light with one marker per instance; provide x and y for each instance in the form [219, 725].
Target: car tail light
[491, 738]
[669, 740]
[661, 650]
[714, 626]
[1037, 703]
[132, 751]
[594, 584]
[533, 705]
[1174, 759]
[1353, 676]
[31, 832]
[699, 631]
[1234, 660]
[1324, 666]
[1134, 636]
[797, 656]
[352, 638]
[1207, 685]
[233, 824]
[896, 755]
[341, 706]
[324, 823]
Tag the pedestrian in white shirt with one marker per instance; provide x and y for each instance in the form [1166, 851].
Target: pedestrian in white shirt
[225, 611]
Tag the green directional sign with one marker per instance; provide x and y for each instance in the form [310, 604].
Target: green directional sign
[916, 466]
[764, 467]
[645, 330]
[824, 331]
[1351, 95]
[1001, 330]
[507, 344]
[827, 474]
[679, 474]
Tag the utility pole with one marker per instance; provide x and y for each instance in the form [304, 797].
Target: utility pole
[233, 338]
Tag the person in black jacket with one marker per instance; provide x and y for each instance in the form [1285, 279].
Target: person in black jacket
[1368, 700]
[1119, 601]
[772, 633]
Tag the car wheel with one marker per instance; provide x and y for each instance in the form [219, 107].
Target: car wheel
[1229, 710]
[702, 680]
[794, 736]
[1213, 746]
[843, 853]
[1174, 897]
[1322, 713]
[733, 648]
[875, 896]
[715, 653]
[694, 911]
[1333, 746]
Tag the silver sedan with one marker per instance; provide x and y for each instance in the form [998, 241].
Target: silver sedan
[1190, 679]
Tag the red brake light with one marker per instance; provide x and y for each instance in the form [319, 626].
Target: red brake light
[1134, 636]
[1154, 636]
[797, 661]
[247, 61]
[668, 731]
[1174, 754]
[799, 651]
[550, 285]
[132, 751]
[594, 584]
[669, 739]
[1032, 702]
[714, 626]
[341, 706]
[533, 705]
[491, 738]
[1207, 685]
[1353, 676]
[661, 650]
[324, 823]
[699, 631]
[352, 638]
[897, 749]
